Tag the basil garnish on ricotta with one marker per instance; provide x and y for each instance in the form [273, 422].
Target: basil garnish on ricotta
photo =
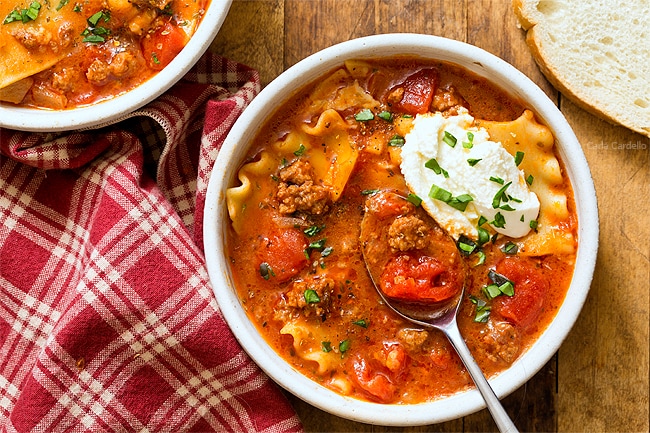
[457, 190]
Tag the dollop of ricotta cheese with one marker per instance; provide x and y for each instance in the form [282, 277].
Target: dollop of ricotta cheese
[461, 175]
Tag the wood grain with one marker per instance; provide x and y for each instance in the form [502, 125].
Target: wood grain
[598, 381]
[603, 368]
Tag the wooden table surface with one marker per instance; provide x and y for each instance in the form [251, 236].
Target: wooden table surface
[598, 381]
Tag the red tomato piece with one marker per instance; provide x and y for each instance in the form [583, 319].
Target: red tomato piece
[418, 91]
[284, 252]
[160, 47]
[413, 278]
[376, 384]
[525, 306]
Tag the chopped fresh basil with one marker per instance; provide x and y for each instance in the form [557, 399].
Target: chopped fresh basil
[155, 59]
[533, 224]
[482, 309]
[497, 278]
[311, 297]
[317, 245]
[507, 288]
[364, 115]
[30, 13]
[439, 194]
[326, 251]
[465, 245]
[386, 115]
[94, 33]
[61, 4]
[481, 258]
[510, 248]
[507, 208]
[313, 230]
[94, 18]
[501, 286]
[361, 322]
[481, 220]
[414, 199]
[93, 39]
[326, 346]
[472, 161]
[449, 139]
[301, 150]
[266, 271]
[483, 235]
[470, 141]
[497, 180]
[499, 221]
[432, 164]
[529, 179]
[500, 195]
[344, 346]
[369, 191]
[491, 291]
[519, 156]
[460, 202]
[396, 141]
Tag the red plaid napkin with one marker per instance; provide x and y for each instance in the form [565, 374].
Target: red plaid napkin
[107, 318]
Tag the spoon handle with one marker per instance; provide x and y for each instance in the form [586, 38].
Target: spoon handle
[500, 416]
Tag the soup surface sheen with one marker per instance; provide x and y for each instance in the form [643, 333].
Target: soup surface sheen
[331, 151]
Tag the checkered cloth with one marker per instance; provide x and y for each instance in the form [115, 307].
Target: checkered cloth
[107, 318]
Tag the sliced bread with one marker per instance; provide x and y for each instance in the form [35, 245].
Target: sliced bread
[596, 52]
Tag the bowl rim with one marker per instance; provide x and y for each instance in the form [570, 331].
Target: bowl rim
[382, 45]
[118, 108]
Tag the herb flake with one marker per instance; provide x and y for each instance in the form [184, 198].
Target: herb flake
[364, 115]
[30, 13]
[311, 297]
[396, 141]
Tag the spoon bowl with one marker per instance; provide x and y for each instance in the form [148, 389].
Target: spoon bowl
[382, 246]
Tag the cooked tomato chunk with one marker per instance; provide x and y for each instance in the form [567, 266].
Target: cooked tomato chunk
[374, 381]
[418, 91]
[416, 278]
[160, 47]
[525, 306]
[283, 253]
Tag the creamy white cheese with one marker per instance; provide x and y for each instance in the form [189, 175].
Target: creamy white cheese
[479, 170]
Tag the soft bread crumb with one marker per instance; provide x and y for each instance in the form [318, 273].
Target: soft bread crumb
[595, 52]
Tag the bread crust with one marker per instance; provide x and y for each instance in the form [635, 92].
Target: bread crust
[524, 10]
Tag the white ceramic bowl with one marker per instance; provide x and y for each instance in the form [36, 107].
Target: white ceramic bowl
[37, 120]
[234, 149]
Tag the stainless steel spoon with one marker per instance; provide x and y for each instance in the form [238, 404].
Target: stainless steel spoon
[381, 210]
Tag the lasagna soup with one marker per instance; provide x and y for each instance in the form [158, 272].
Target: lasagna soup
[463, 157]
[62, 54]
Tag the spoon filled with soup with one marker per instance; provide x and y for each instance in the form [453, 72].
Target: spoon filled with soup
[419, 273]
